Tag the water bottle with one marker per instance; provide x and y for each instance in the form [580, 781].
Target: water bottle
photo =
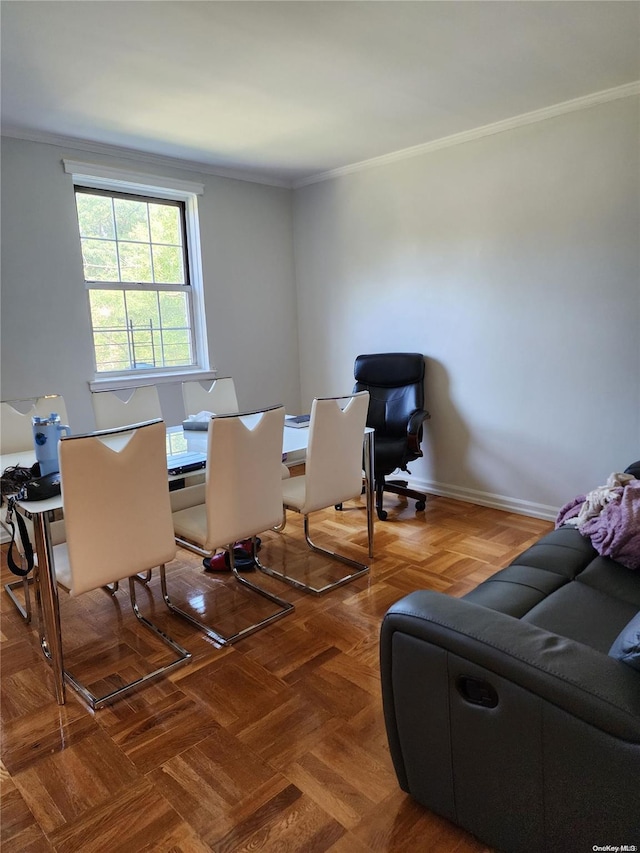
[46, 435]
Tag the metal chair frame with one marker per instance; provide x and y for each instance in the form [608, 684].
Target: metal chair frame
[214, 633]
[210, 630]
[360, 568]
[183, 656]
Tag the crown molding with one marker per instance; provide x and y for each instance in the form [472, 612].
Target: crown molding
[584, 102]
[160, 160]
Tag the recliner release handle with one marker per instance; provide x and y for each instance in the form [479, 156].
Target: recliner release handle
[476, 691]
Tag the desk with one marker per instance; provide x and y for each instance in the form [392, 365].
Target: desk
[42, 513]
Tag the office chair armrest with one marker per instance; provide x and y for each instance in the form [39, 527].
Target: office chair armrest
[414, 429]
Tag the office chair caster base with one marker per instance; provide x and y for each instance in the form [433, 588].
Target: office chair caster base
[421, 506]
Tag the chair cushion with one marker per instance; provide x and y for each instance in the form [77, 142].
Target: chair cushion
[191, 523]
[293, 491]
[626, 646]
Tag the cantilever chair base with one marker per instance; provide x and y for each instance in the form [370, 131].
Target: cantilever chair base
[96, 702]
[24, 609]
[228, 639]
[361, 568]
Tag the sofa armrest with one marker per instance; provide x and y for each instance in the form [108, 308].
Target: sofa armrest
[526, 739]
[571, 676]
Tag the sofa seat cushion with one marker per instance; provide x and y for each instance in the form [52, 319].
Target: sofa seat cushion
[516, 589]
[564, 551]
[613, 579]
[582, 613]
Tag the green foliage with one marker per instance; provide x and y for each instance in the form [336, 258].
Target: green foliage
[130, 241]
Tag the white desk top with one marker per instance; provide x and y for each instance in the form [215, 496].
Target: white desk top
[177, 441]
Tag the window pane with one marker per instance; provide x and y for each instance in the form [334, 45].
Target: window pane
[142, 309]
[165, 224]
[100, 260]
[167, 265]
[112, 350]
[174, 310]
[132, 219]
[178, 344]
[177, 347]
[107, 309]
[145, 355]
[95, 216]
[135, 262]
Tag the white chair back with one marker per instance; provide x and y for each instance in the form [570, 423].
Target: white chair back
[114, 409]
[220, 397]
[15, 420]
[243, 488]
[116, 505]
[333, 468]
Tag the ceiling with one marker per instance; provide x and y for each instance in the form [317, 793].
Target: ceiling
[284, 91]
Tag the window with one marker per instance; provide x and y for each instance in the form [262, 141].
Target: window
[140, 254]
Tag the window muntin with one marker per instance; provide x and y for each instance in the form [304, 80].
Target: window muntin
[136, 270]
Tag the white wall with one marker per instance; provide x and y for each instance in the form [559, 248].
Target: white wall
[512, 263]
[247, 258]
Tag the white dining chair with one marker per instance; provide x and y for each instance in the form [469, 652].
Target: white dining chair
[15, 420]
[119, 408]
[118, 522]
[333, 474]
[243, 498]
[16, 436]
[219, 397]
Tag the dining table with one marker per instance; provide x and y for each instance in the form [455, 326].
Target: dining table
[43, 513]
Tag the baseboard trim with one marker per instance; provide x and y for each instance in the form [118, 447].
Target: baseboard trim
[458, 493]
[474, 496]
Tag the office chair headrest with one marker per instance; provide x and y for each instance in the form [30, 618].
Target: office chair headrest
[389, 369]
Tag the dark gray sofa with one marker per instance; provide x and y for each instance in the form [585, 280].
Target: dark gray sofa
[505, 712]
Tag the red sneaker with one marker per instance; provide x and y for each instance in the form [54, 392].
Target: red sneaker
[220, 562]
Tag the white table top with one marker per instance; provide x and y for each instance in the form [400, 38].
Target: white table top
[177, 440]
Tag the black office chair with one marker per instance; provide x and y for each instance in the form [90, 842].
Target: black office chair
[395, 382]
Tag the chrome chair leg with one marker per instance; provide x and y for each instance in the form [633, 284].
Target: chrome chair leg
[143, 578]
[24, 609]
[284, 607]
[183, 656]
[361, 568]
[280, 527]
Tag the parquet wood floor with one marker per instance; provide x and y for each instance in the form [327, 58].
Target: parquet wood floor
[274, 744]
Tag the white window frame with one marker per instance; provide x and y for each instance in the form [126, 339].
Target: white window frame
[110, 179]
